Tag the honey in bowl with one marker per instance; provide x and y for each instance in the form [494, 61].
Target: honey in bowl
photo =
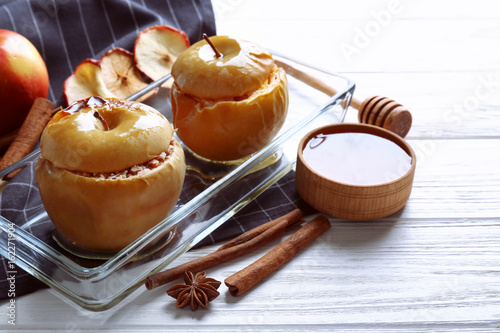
[356, 158]
[355, 171]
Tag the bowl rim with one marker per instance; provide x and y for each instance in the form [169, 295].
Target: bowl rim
[357, 128]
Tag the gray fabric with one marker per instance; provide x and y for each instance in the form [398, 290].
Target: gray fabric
[66, 32]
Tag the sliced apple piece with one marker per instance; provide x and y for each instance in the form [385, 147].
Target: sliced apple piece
[85, 81]
[156, 49]
[121, 76]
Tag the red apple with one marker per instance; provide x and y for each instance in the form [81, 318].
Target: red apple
[23, 78]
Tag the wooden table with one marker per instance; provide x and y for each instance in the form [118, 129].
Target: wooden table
[435, 265]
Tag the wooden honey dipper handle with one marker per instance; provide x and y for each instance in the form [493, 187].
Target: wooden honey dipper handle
[307, 78]
[376, 110]
[386, 113]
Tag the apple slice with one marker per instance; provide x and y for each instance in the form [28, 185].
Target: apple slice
[121, 76]
[85, 81]
[156, 49]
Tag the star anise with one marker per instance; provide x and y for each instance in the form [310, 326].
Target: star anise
[198, 291]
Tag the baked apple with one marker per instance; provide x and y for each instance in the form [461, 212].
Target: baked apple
[229, 99]
[109, 170]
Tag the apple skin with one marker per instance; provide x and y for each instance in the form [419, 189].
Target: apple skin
[227, 108]
[23, 78]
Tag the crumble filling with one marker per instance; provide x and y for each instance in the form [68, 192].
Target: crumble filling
[207, 102]
[135, 170]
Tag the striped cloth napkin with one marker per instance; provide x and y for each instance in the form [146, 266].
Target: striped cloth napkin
[67, 32]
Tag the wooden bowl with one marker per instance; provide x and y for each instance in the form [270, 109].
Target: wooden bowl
[353, 201]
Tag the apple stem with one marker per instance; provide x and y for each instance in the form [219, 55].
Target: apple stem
[103, 121]
[217, 53]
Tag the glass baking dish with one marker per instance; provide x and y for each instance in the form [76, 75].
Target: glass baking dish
[212, 193]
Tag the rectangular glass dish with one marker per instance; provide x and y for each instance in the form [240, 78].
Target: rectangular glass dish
[212, 193]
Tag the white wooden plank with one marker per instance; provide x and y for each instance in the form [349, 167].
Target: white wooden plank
[444, 105]
[356, 275]
[363, 45]
[265, 10]
[432, 267]
[455, 179]
[435, 264]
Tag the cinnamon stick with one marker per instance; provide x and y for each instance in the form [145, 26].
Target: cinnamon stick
[240, 245]
[28, 135]
[248, 277]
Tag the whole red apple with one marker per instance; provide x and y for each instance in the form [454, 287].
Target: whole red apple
[23, 78]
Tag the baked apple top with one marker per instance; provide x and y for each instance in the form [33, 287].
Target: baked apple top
[105, 135]
[241, 69]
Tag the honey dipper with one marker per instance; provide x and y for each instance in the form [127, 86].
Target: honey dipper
[375, 110]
